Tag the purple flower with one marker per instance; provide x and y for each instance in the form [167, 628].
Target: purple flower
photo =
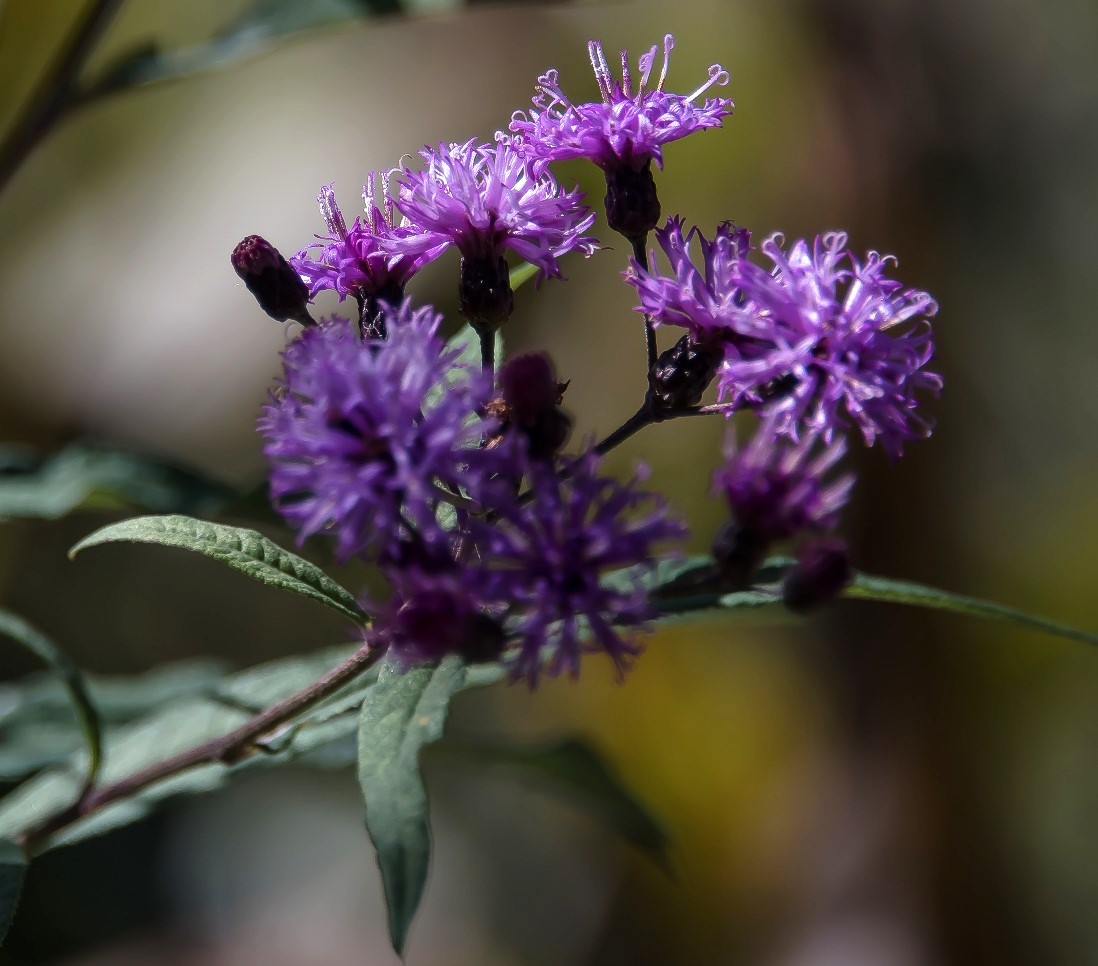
[818, 341]
[361, 260]
[432, 615]
[628, 128]
[827, 340]
[357, 433]
[485, 200]
[777, 488]
[703, 298]
[545, 558]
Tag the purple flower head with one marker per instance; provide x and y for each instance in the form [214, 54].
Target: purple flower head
[546, 557]
[357, 433]
[485, 200]
[777, 489]
[361, 260]
[702, 297]
[628, 127]
[432, 615]
[827, 340]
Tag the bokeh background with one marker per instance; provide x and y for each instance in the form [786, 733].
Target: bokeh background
[873, 787]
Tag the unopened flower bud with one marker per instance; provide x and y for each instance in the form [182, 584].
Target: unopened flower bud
[821, 572]
[683, 373]
[277, 288]
[632, 205]
[485, 298]
[530, 402]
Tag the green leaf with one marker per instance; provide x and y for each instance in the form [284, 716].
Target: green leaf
[13, 866]
[521, 274]
[43, 648]
[322, 737]
[245, 550]
[42, 698]
[36, 728]
[577, 770]
[867, 587]
[692, 588]
[83, 477]
[404, 711]
[467, 342]
[262, 26]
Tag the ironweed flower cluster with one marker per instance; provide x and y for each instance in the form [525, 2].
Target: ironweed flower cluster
[452, 479]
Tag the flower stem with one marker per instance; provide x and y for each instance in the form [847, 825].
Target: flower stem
[644, 416]
[487, 351]
[228, 749]
[640, 253]
[57, 94]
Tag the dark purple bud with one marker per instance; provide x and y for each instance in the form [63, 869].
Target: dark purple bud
[485, 298]
[277, 288]
[632, 205]
[821, 572]
[683, 373]
[529, 385]
[738, 551]
[531, 397]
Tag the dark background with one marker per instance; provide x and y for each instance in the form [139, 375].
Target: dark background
[874, 786]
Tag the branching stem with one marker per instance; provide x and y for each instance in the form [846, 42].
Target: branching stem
[58, 92]
[227, 749]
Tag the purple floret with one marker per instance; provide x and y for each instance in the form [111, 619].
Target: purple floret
[820, 341]
[702, 297]
[485, 200]
[778, 489]
[628, 127]
[546, 558]
[829, 341]
[362, 260]
[358, 432]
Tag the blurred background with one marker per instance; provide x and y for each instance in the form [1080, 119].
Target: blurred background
[873, 787]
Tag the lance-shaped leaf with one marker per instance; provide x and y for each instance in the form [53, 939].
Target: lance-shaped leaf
[868, 587]
[13, 866]
[87, 477]
[245, 550]
[692, 588]
[322, 737]
[42, 647]
[402, 712]
[576, 770]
